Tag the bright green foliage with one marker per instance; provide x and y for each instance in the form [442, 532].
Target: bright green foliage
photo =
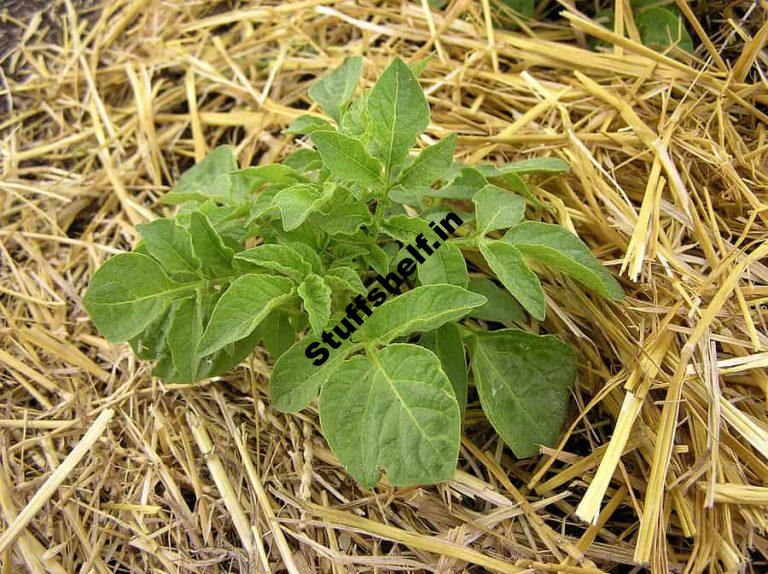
[283, 254]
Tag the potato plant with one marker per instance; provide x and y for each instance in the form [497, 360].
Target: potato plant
[275, 254]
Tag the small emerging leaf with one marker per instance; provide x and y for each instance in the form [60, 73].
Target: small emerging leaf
[281, 258]
[307, 124]
[295, 380]
[171, 245]
[298, 201]
[501, 307]
[446, 265]
[207, 179]
[429, 165]
[214, 255]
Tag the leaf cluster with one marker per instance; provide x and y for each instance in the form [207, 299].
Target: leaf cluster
[272, 254]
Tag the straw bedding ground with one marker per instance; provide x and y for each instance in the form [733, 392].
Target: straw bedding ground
[663, 462]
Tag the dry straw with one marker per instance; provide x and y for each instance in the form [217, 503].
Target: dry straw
[663, 461]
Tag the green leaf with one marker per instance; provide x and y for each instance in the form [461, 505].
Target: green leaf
[496, 208]
[336, 89]
[355, 120]
[281, 258]
[277, 333]
[405, 229]
[501, 307]
[171, 245]
[506, 261]
[214, 255]
[429, 165]
[179, 363]
[152, 340]
[246, 181]
[398, 112]
[377, 258]
[309, 255]
[264, 202]
[422, 309]
[660, 28]
[558, 247]
[524, 383]
[208, 179]
[536, 165]
[343, 277]
[317, 301]
[418, 67]
[464, 186]
[307, 124]
[347, 158]
[128, 293]
[241, 308]
[446, 265]
[394, 410]
[295, 380]
[445, 342]
[298, 201]
[304, 160]
[342, 214]
[521, 7]
[184, 335]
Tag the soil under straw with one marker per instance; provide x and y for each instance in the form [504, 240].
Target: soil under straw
[665, 452]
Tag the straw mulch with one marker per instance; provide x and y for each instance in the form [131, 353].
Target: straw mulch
[663, 463]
